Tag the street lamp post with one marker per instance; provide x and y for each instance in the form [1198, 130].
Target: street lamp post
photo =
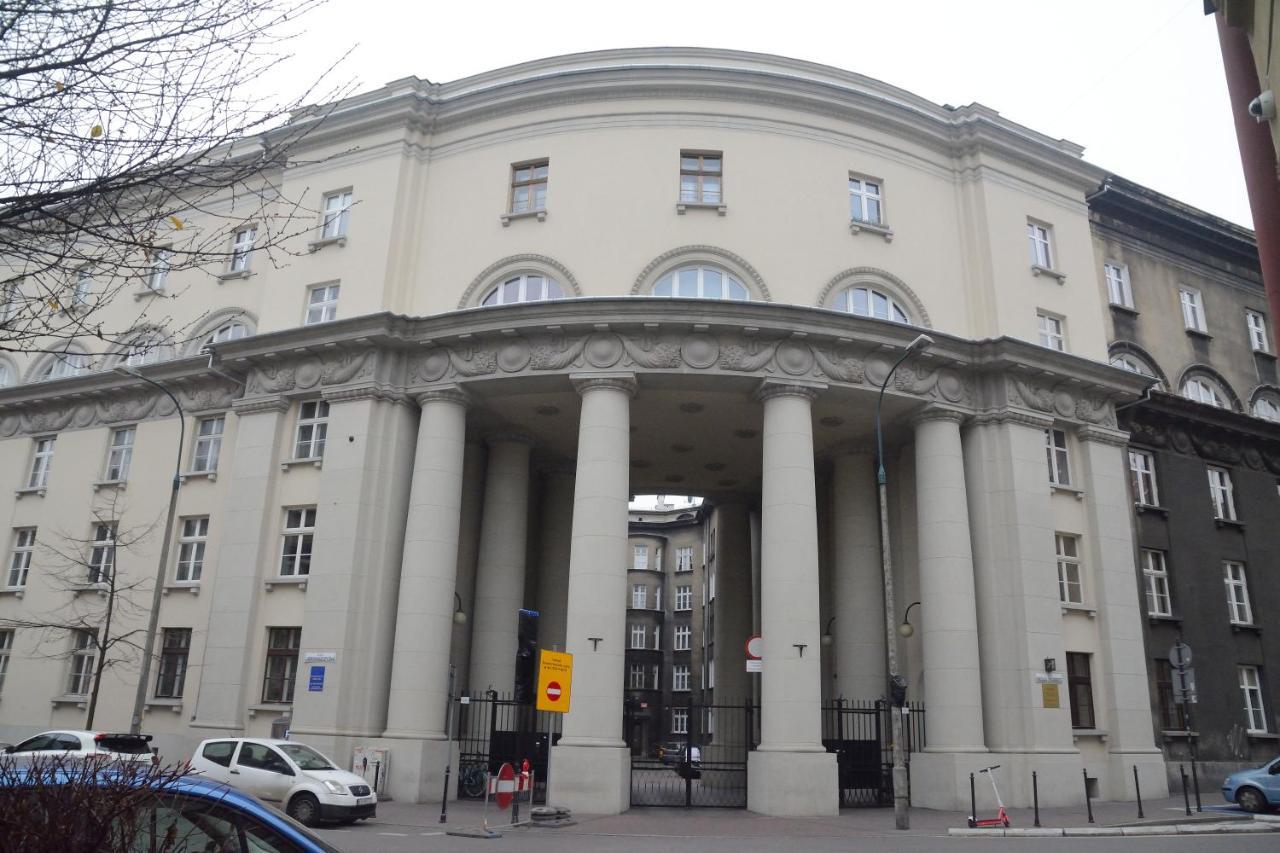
[149, 645]
[896, 684]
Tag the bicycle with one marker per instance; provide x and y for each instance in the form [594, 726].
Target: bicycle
[472, 780]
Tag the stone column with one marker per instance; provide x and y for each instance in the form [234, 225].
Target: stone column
[732, 607]
[858, 583]
[500, 571]
[468, 553]
[1122, 665]
[251, 519]
[553, 558]
[790, 773]
[591, 767]
[424, 618]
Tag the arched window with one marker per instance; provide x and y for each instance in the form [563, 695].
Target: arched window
[1205, 390]
[228, 331]
[869, 302]
[60, 365]
[146, 348]
[7, 374]
[1134, 364]
[701, 282]
[527, 287]
[1265, 406]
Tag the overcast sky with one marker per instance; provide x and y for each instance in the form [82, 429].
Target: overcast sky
[1139, 83]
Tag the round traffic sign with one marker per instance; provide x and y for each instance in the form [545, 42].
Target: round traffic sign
[1180, 654]
[553, 691]
[506, 786]
[755, 647]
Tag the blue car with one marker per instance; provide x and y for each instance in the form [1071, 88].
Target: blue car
[1254, 790]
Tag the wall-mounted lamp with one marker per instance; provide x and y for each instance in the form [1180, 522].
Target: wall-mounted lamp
[827, 639]
[906, 629]
[459, 618]
[1050, 664]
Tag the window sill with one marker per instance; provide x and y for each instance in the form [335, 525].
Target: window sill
[1261, 353]
[1173, 734]
[114, 484]
[233, 275]
[37, 491]
[1229, 522]
[1070, 490]
[1100, 734]
[317, 245]
[1151, 508]
[1199, 333]
[317, 461]
[78, 701]
[211, 476]
[1252, 628]
[174, 705]
[1038, 270]
[1067, 607]
[1157, 618]
[299, 582]
[99, 588]
[192, 587]
[1123, 309]
[856, 226]
[269, 707]
[683, 206]
[1262, 736]
[15, 591]
[540, 215]
[147, 292]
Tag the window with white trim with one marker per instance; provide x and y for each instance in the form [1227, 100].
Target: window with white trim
[1142, 477]
[869, 302]
[1266, 407]
[865, 200]
[638, 635]
[192, 539]
[640, 557]
[313, 427]
[1222, 493]
[208, 444]
[1055, 444]
[82, 288]
[639, 596]
[526, 287]
[682, 635]
[701, 177]
[684, 597]
[1118, 290]
[1257, 326]
[24, 546]
[1052, 331]
[1070, 589]
[64, 364]
[654, 676]
[145, 349]
[529, 186]
[684, 559]
[701, 282]
[102, 552]
[1192, 309]
[42, 462]
[6, 648]
[299, 531]
[1251, 692]
[636, 676]
[84, 651]
[680, 676]
[229, 331]
[1039, 239]
[242, 248]
[679, 721]
[657, 637]
[1202, 390]
[1155, 575]
[337, 214]
[322, 304]
[161, 263]
[1237, 583]
[1133, 364]
[119, 454]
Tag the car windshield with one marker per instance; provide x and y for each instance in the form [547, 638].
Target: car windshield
[127, 744]
[305, 757]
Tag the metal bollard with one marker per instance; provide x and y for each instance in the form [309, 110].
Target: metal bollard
[973, 802]
[1195, 784]
[1186, 799]
[1088, 803]
[1137, 787]
[1035, 795]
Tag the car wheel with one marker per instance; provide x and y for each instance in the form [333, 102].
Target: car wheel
[1251, 800]
[305, 809]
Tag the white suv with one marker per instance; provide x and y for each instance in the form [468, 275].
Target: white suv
[308, 786]
[110, 746]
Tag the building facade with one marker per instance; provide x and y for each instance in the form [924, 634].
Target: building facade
[535, 292]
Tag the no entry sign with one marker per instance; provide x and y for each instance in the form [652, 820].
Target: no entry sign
[555, 681]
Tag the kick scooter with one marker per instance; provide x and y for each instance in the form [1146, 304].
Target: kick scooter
[1001, 818]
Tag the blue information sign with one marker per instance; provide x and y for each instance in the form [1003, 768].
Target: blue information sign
[315, 683]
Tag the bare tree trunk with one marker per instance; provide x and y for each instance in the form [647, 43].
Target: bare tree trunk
[102, 644]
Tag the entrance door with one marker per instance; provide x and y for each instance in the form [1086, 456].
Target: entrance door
[702, 763]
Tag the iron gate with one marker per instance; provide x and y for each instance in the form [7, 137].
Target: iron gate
[705, 767]
[495, 729]
[860, 733]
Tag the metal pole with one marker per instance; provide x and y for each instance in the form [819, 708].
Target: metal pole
[1088, 803]
[1035, 795]
[1186, 800]
[1137, 787]
[448, 742]
[153, 618]
[973, 802]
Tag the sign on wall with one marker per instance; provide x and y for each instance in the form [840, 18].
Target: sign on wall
[555, 681]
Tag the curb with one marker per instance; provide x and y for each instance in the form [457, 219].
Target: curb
[1235, 827]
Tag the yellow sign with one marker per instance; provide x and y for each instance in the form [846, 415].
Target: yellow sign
[1050, 694]
[555, 681]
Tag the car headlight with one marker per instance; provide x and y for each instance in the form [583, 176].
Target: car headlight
[333, 787]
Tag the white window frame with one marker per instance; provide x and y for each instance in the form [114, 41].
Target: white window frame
[297, 540]
[679, 721]
[42, 462]
[639, 596]
[1040, 243]
[102, 552]
[680, 678]
[312, 430]
[636, 676]
[161, 263]
[1052, 331]
[875, 299]
[638, 636]
[731, 287]
[684, 558]
[1256, 323]
[208, 444]
[84, 652]
[322, 303]
[6, 649]
[1058, 456]
[528, 287]
[1251, 692]
[231, 330]
[684, 598]
[1202, 390]
[193, 538]
[24, 547]
[1266, 408]
[120, 454]
[1155, 575]
[1142, 475]
[640, 557]
[1193, 316]
[1222, 493]
[335, 215]
[681, 638]
[1070, 572]
[1236, 579]
[82, 287]
[866, 200]
[1119, 290]
[242, 248]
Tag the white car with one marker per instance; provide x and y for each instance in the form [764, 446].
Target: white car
[112, 746]
[306, 784]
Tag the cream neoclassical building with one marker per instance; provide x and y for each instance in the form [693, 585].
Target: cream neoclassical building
[540, 290]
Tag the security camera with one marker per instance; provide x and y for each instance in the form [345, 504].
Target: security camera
[1263, 107]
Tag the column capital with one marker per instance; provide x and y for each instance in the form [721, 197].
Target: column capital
[937, 413]
[509, 435]
[584, 382]
[1010, 416]
[455, 394]
[258, 405]
[1101, 435]
[770, 388]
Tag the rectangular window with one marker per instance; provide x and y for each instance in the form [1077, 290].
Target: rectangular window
[1251, 691]
[161, 263]
[24, 545]
[1171, 714]
[638, 635]
[635, 676]
[1142, 478]
[313, 428]
[1222, 493]
[679, 721]
[640, 557]
[41, 463]
[242, 248]
[701, 176]
[1051, 332]
[1055, 441]
[82, 289]
[322, 304]
[680, 676]
[1192, 310]
[6, 648]
[204, 457]
[657, 637]
[1069, 587]
[174, 649]
[191, 544]
[639, 596]
[84, 650]
[299, 528]
[529, 186]
[684, 559]
[1238, 606]
[1038, 240]
[864, 200]
[653, 675]
[682, 635]
[684, 598]
[1155, 573]
[1257, 324]
[337, 212]
[282, 664]
[1080, 689]
[1118, 290]
[119, 454]
[102, 552]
